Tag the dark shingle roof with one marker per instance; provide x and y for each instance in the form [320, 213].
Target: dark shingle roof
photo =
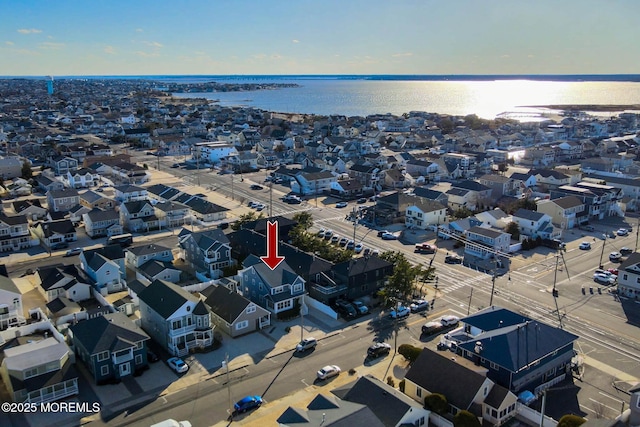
[494, 317]
[528, 214]
[225, 303]
[164, 297]
[111, 332]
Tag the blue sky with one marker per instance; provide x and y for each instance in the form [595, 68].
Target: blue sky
[116, 37]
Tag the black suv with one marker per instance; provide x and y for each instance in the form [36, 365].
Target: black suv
[346, 309]
[378, 349]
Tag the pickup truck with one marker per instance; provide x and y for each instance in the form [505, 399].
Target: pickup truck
[425, 248]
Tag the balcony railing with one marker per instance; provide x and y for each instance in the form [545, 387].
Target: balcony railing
[330, 290]
[122, 358]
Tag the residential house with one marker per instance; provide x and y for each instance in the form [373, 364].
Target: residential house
[436, 196]
[206, 211]
[171, 214]
[278, 290]
[81, 178]
[62, 200]
[551, 178]
[75, 214]
[629, 277]
[394, 207]
[213, 152]
[111, 346]
[130, 173]
[565, 212]
[495, 218]
[465, 387]
[207, 251]
[63, 281]
[10, 167]
[94, 200]
[394, 179]
[307, 183]
[61, 165]
[53, 232]
[368, 176]
[37, 368]
[359, 277]
[46, 183]
[629, 186]
[159, 270]
[519, 353]
[421, 167]
[535, 224]
[500, 185]
[346, 188]
[469, 194]
[174, 318]
[329, 411]
[130, 193]
[138, 216]
[484, 242]
[234, 314]
[11, 311]
[600, 200]
[425, 213]
[137, 255]
[32, 209]
[99, 223]
[162, 192]
[105, 267]
[14, 233]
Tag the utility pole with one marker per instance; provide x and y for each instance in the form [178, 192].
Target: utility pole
[225, 363]
[493, 282]
[302, 318]
[637, 234]
[355, 224]
[469, 306]
[604, 242]
[232, 195]
[270, 199]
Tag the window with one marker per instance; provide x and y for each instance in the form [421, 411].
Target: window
[418, 392]
[242, 325]
[251, 309]
[103, 356]
[138, 359]
[494, 366]
[494, 413]
[104, 370]
[139, 345]
[297, 287]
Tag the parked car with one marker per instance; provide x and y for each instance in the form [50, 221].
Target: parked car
[294, 201]
[306, 344]
[613, 271]
[247, 403]
[346, 309]
[615, 257]
[152, 357]
[321, 232]
[259, 207]
[605, 273]
[175, 166]
[335, 238]
[611, 234]
[400, 313]
[59, 245]
[360, 307]
[350, 245]
[585, 246]
[604, 279]
[328, 234]
[453, 259]
[589, 228]
[362, 200]
[343, 241]
[256, 187]
[341, 205]
[622, 232]
[358, 248]
[381, 232]
[449, 320]
[625, 250]
[378, 349]
[366, 251]
[74, 251]
[389, 236]
[328, 372]
[419, 305]
[178, 365]
[431, 327]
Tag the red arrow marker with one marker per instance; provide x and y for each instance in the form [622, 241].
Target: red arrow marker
[272, 259]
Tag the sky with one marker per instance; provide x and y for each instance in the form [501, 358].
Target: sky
[231, 37]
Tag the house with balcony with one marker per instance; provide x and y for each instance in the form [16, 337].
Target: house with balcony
[130, 193]
[99, 223]
[105, 267]
[174, 318]
[234, 314]
[551, 178]
[14, 233]
[500, 185]
[307, 182]
[207, 251]
[63, 281]
[465, 387]
[346, 188]
[171, 214]
[425, 213]
[535, 224]
[130, 173]
[422, 167]
[162, 192]
[278, 290]
[81, 178]
[369, 176]
[11, 311]
[359, 277]
[61, 165]
[517, 352]
[111, 346]
[565, 212]
[206, 211]
[213, 152]
[62, 200]
[138, 216]
[137, 255]
[484, 242]
[38, 368]
[600, 200]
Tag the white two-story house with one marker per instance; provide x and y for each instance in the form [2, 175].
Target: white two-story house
[425, 213]
[174, 318]
[105, 267]
[535, 224]
[11, 313]
[14, 233]
[629, 277]
[484, 242]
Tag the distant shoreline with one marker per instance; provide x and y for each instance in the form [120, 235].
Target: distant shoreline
[587, 107]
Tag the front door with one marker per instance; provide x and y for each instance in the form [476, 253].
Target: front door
[125, 369]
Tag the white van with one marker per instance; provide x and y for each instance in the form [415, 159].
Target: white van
[306, 344]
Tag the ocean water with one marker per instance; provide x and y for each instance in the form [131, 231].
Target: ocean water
[516, 98]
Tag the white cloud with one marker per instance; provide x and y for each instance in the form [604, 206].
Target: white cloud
[110, 50]
[397, 55]
[146, 54]
[51, 45]
[295, 41]
[276, 56]
[29, 31]
[139, 30]
[153, 44]
[9, 43]
[506, 55]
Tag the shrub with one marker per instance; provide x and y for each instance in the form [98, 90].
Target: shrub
[287, 329]
[390, 381]
[571, 420]
[409, 352]
[401, 385]
[436, 402]
[465, 419]
[352, 371]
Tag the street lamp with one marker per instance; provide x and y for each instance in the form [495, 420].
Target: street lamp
[604, 237]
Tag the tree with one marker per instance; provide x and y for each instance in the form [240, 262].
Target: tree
[462, 213]
[400, 283]
[27, 173]
[465, 419]
[514, 229]
[409, 352]
[571, 420]
[436, 402]
[245, 218]
[304, 220]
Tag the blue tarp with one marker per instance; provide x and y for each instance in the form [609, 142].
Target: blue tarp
[526, 397]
